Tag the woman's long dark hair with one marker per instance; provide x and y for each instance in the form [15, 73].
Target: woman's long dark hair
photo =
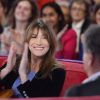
[57, 9]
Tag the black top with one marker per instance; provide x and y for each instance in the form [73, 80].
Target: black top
[87, 89]
[45, 87]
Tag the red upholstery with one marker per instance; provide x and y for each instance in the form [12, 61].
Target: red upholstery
[75, 74]
[42, 2]
[3, 59]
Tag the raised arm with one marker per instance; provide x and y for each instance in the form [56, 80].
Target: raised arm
[10, 62]
[24, 64]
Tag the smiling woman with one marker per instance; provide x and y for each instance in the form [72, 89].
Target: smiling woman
[38, 44]
[39, 73]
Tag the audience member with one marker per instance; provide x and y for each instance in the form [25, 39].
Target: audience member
[66, 38]
[39, 73]
[91, 58]
[80, 21]
[22, 13]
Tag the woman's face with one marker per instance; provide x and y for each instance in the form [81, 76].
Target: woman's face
[23, 11]
[77, 12]
[50, 16]
[38, 43]
[97, 17]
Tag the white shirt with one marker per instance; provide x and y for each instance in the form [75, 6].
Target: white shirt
[77, 27]
[92, 78]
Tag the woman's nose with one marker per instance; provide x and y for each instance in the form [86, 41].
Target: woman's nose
[39, 41]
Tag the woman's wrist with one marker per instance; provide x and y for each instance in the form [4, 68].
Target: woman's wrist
[23, 77]
[4, 72]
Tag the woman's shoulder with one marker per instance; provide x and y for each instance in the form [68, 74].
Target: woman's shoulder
[58, 71]
[58, 74]
[71, 32]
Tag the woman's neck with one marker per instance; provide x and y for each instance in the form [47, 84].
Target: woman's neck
[35, 64]
[55, 29]
[21, 26]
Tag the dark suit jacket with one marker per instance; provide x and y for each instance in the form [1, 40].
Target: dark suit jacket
[87, 89]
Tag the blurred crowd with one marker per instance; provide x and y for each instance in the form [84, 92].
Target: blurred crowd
[68, 19]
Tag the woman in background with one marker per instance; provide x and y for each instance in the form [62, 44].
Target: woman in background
[66, 38]
[22, 13]
[39, 73]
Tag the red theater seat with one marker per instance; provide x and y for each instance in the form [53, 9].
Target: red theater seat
[75, 73]
[42, 2]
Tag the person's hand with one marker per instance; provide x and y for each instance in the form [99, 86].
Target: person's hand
[5, 39]
[59, 35]
[11, 60]
[23, 69]
[12, 56]
[17, 37]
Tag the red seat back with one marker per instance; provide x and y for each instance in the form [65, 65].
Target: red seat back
[75, 74]
[43, 2]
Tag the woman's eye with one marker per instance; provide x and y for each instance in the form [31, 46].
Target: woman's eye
[33, 36]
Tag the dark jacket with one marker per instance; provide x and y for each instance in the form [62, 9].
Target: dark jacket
[45, 87]
[87, 89]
